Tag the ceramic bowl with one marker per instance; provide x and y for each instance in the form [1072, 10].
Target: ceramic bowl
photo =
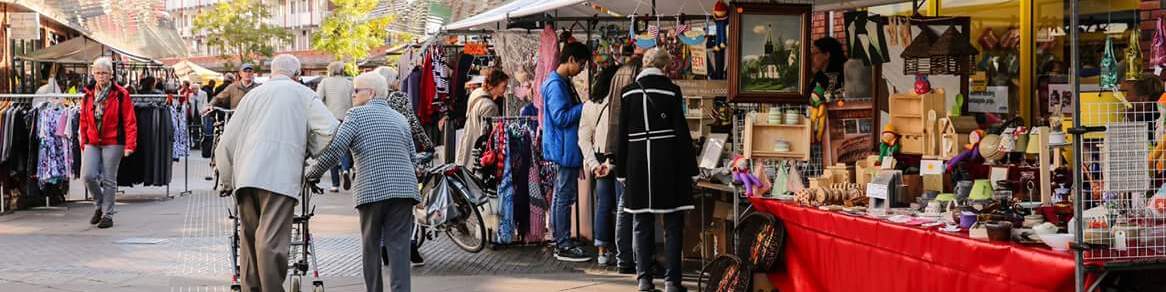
[1045, 228]
[1057, 241]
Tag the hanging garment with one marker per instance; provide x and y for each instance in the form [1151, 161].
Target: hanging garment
[506, 193]
[548, 60]
[518, 149]
[181, 135]
[1108, 66]
[427, 91]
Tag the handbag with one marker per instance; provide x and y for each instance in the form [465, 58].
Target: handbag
[1158, 44]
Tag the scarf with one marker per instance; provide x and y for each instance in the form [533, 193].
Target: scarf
[99, 103]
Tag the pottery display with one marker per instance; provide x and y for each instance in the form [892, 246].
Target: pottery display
[999, 230]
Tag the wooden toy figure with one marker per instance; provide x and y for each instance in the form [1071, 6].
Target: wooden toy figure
[889, 145]
[818, 112]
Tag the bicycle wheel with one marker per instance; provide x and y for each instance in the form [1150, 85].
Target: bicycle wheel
[468, 233]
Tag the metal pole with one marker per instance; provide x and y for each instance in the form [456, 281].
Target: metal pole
[1075, 82]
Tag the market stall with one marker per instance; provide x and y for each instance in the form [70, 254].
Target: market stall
[945, 137]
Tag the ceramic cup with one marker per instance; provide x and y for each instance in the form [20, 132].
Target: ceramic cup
[999, 230]
[967, 219]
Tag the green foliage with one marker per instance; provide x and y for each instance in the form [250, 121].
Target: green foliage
[349, 34]
[238, 28]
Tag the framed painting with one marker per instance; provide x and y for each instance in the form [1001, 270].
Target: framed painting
[768, 53]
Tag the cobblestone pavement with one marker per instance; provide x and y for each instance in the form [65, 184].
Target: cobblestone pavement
[180, 244]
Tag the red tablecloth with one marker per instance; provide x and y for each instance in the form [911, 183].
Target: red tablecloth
[826, 251]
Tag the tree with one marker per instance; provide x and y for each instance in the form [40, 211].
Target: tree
[238, 28]
[349, 34]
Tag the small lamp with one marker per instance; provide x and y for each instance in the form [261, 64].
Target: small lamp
[981, 190]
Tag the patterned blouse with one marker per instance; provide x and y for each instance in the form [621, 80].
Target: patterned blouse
[400, 102]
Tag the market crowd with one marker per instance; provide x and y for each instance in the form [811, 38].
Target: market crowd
[626, 136]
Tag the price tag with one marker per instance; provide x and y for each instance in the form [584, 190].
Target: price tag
[877, 191]
[931, 167]
[1157, 70]
[1119, 240]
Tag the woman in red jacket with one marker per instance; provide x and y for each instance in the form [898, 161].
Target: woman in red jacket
[108, 132]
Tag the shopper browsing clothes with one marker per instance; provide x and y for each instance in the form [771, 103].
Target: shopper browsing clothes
[260, 159]
[380, 140]
[560, 124]
[108, 132]
[657, 164]
[336, 92]
[483, 103]
[598, 136]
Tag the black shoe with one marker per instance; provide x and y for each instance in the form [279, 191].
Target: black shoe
[96, 217]
[209, 178]
[416, 259]
[675, 288]
[627, 270]
[574, 255]
[106, 222]
[346, 180]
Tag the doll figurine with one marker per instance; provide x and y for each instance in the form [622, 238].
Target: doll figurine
[818, 112]
[721, 17]
[889, 143]
[922, 85]
[971, 150]
[742, 174]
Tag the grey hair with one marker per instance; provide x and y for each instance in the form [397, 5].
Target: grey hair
[286, 65]
[374, 81]
[103, 63]
[336, 68]
[657, 58]
[390, 76]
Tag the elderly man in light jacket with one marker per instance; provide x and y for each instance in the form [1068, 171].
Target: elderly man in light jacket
[336, 92]
[261, 160]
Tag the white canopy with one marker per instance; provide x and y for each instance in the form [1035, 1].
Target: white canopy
[582, 8]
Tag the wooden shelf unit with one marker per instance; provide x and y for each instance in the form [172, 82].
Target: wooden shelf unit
[909, 113]
[760, 137]
[697, 108]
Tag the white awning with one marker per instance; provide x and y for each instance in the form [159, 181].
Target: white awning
[582, 8]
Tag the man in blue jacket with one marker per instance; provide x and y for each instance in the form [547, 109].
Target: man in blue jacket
[561, 112]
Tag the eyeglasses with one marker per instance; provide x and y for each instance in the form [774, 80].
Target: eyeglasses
[359, 90]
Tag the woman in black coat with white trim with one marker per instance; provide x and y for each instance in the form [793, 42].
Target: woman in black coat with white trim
[657, 163]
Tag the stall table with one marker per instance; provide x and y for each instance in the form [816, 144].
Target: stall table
[828, 251]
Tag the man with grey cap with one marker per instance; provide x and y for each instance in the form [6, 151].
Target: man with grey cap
[336, 92]
[233, 94]
[261, 158]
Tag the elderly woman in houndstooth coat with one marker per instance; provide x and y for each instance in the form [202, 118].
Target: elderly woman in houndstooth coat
[657, 163]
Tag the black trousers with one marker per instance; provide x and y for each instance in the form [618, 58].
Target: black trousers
[645, 247]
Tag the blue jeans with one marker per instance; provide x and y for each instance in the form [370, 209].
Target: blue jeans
[625, 256]
[646, 248]
[607, 192]
[345, 165]
[566, 191]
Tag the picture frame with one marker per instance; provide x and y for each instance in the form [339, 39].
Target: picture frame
[765, 63]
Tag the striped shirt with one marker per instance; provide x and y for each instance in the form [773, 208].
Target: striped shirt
[382, 148]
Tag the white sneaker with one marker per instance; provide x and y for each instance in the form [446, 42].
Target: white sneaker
[604, 259]
[334, 189]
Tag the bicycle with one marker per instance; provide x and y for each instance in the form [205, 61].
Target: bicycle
[451, 197]
[220, 125]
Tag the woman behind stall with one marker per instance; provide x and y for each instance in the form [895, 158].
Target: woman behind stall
[656, 160]
[108, 132]
[482, 104]
[826, 61]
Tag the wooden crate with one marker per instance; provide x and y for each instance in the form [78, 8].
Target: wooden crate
[760, 138]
